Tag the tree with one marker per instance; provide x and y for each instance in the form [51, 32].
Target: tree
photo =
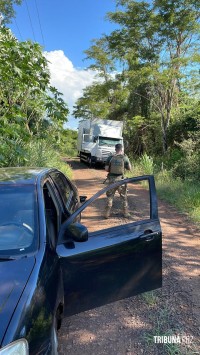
[102, 60]
[102, 100]
[29, 106]
[6, 9]
[156, 44]
[105, 98]
[157, 41]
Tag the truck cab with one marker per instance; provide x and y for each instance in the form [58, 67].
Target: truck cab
[104, 147]
[97, 140]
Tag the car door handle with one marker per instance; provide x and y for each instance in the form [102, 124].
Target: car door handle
[148, 235]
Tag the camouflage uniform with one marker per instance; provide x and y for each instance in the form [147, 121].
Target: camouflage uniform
[117, 165]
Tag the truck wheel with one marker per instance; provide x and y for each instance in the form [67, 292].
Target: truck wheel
[89, 161]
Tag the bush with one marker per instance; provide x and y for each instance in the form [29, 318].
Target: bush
[142, 166]
[40, 154]
[12, 152]
[147, 164]
[184, 195]
[188, 168]
[35, 153]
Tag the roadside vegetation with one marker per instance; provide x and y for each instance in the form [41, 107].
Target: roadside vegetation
[183, 193]
[161, 315]
[147, 75]
[32, 112]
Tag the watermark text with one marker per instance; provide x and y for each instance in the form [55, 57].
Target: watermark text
[173, 339]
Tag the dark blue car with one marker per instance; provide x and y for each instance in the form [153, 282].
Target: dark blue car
[52, 265]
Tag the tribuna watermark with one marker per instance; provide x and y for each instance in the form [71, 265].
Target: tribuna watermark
[173, 339]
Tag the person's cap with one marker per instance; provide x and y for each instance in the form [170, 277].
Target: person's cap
[118, 146]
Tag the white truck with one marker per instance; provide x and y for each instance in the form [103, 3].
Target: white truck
[97, 138]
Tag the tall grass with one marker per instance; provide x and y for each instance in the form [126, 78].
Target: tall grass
[39, 153]
[183, 194]
[142, 166]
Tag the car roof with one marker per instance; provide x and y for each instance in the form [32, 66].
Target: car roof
[21, 175]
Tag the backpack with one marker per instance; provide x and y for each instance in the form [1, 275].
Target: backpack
[116, 165]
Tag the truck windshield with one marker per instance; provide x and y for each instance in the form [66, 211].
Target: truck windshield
[18, 234]
[109, 141]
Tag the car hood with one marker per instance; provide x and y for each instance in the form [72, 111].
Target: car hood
[14, 275]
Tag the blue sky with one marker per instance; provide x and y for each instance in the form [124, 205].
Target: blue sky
[65, 29]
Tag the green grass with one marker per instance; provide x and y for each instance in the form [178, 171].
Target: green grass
[160, 314]
[150, 298]
[41, 154]
[184, 195]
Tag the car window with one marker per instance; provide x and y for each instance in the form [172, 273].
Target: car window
[52, 214]
[66, 191]
[18, 220]
[129, 203]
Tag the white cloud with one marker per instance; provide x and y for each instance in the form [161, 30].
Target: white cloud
[66, 78]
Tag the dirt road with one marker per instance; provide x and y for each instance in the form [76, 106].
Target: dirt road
[128, 327]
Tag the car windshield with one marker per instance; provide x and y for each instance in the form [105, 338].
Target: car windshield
[109, 141]
[17, 220]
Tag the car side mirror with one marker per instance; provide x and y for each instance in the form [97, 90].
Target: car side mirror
[76, 232]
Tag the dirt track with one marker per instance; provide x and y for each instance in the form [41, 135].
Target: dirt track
[128, 326]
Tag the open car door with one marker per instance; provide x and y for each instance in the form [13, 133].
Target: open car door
[119, 257]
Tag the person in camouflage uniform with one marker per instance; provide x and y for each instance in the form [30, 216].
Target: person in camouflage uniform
[115, 166]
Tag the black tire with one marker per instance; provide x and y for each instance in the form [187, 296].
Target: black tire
[89, 161]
